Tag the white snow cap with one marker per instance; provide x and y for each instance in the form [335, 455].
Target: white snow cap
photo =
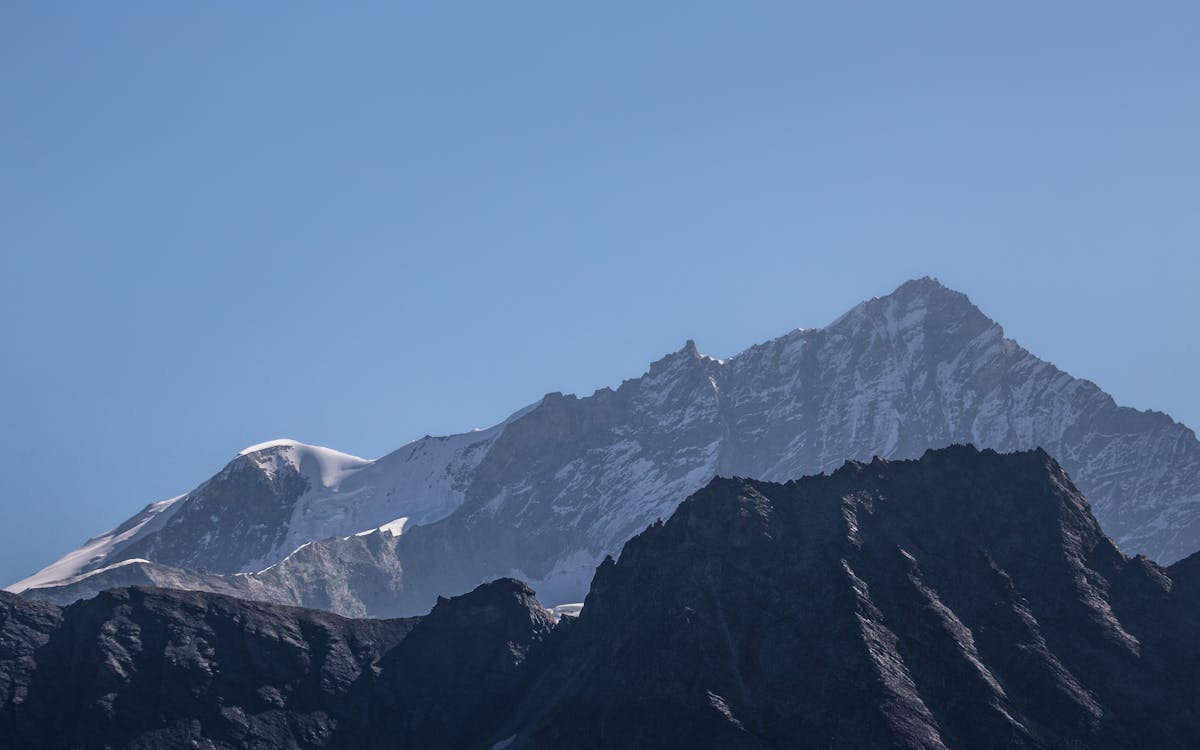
[325, 465]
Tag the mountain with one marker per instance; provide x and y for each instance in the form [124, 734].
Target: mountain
[967, 599]
[269, 502]
[546, 494]
[149, 668]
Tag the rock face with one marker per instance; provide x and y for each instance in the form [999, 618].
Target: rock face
[548, 493]
[150, 668]
[269, 502]
[965, 600]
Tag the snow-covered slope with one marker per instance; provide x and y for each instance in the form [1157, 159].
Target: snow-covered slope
[98, 551]
[276, 496]
[545, 495]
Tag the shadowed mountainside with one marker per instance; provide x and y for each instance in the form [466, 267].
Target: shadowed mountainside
[967, 599]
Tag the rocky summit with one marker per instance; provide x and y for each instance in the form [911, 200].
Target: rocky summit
[968, 599]
[964, 600]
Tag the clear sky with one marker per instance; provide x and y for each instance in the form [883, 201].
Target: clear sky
[223, 222]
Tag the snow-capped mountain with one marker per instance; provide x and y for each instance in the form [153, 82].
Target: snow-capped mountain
[965, 600]
[276, 497]
[547, 493]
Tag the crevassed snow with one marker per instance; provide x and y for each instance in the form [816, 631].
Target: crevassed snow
[98, 548]
[421, 482]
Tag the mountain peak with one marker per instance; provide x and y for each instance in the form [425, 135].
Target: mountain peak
[319, 464]
[970, 594]
[912, 304]
[685, 354]
[928, 292]
[269, 444]
[570, 478]
[925, 284]
[289, 443]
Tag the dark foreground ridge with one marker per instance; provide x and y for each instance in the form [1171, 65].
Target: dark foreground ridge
[964, 600]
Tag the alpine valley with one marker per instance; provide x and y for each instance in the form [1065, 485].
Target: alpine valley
[548, 493]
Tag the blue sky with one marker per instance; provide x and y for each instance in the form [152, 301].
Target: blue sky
[222, 223]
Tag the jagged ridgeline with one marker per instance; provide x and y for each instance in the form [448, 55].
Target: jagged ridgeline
[547, 493]
[965, 600]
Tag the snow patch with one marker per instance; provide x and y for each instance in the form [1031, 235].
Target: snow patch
[99, 548]
[395, 528]
[97, 571]
[565, 610]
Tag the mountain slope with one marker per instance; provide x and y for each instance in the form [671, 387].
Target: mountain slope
[150, 668]
[276, 496]
[546, 494]
[964, 600]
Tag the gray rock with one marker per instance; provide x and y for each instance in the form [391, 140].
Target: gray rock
[547, 494]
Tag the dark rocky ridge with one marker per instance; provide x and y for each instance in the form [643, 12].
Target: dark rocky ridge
[964, 600]
[152, 668]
